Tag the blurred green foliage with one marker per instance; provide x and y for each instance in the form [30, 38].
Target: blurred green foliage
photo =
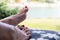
[6, 11]
[49, 1]
[43, 1]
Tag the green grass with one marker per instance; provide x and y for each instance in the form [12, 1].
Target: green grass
[44, 24]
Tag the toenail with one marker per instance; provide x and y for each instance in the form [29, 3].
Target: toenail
[25, 6]
[22, 25]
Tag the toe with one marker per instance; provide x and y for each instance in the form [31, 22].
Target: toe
[21, 27]
[28, 36]
[28, 32]
[23, 10]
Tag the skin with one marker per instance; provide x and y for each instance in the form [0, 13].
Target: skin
[17, 18]
[26, 30]
[9, 32]
[13, 21]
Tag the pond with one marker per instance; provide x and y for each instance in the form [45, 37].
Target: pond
[43, 12]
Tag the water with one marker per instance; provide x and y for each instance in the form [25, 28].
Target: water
[43, 12]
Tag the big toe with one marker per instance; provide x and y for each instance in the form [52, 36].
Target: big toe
[23, 10]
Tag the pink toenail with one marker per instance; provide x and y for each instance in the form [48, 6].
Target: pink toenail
[25, 6]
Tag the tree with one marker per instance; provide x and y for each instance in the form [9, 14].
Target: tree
[49, 1]
[5, 10]
[17, 1]
[37, 1]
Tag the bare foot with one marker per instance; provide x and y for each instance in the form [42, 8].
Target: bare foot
[26, 30]
[23, 10]
[16, 19]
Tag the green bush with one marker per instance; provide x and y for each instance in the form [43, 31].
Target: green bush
[6, 11]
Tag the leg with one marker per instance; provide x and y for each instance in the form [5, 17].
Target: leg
[15, 19]
[9, 32]
[26, 30]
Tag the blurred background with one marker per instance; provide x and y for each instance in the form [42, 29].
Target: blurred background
[42, 14]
